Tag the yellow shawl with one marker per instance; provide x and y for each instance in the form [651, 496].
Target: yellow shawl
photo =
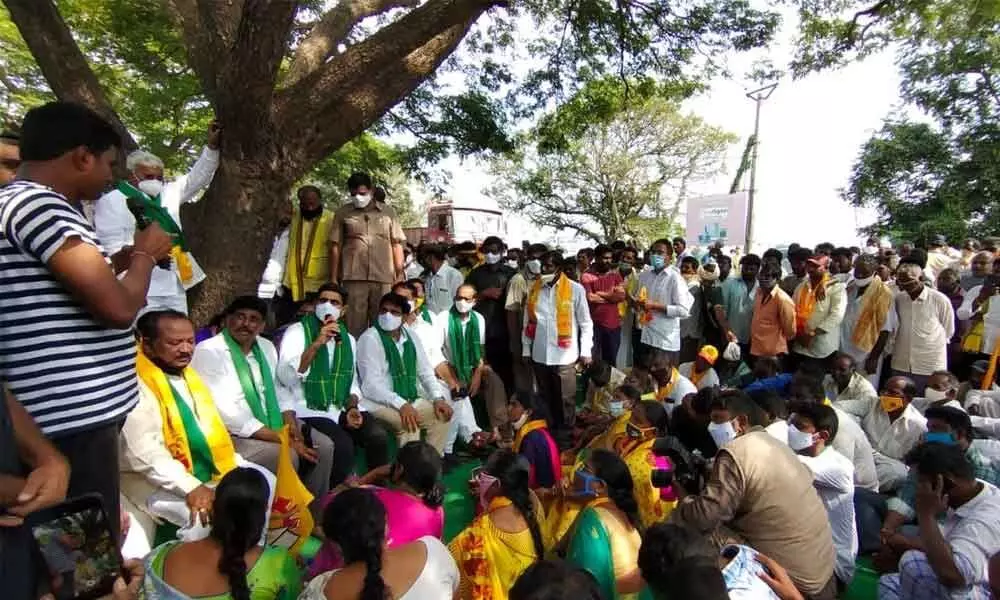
[564, 310]
[663, 393]
[805, 302]
[307, 266]
[219, 442]
[875, 305]
[525, 430]
[639, 459]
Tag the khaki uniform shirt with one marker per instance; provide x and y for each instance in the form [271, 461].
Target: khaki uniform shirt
[366, 236]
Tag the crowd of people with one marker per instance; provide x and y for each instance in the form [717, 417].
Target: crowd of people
[651, 423]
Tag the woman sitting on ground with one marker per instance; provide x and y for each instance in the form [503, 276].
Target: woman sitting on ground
[532, 439]
[605, 539]
[356, 521]
[230, 564]
[649, 422]
[506, 538]
[412, 502]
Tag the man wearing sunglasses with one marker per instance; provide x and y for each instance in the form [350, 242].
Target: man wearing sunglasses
[10, 157]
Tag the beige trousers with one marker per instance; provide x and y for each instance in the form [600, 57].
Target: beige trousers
[437, 430]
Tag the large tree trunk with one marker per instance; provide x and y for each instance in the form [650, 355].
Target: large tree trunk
[231, 232]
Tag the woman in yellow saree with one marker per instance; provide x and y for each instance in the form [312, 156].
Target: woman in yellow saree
[649, 421]
[506, 538]
[605, 538]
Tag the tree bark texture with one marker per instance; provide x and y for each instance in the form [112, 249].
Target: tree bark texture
[274, 132]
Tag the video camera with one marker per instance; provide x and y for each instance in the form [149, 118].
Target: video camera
[690, 469]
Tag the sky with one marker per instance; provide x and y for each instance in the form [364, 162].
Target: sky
[811, 132]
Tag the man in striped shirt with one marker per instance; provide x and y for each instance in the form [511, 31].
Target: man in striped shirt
[66, 351]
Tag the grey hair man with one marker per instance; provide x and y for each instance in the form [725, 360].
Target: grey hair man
[146, 191]
[926, 323]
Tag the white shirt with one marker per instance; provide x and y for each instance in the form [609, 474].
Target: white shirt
[115, 225]
[440, 287]
[973, 532]
[851, 314]
[443, 320]
[828, 316]
[430, 338]
[544, 349]
[274, 272]
[667, 287]
[376, 380]
[925, 327]
[682, 387]
[852, 443]
[708, 379]
[988, 402]
[145, 452]
[214, 364]
[293, 345]
[778, 429]
[858, 399]
[894, 439]
[833, 477]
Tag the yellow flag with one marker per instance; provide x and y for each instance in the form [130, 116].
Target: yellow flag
[291, 523]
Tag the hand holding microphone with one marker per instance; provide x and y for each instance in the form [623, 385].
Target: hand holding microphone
[150, 239]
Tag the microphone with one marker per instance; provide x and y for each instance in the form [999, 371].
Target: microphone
[141, 222]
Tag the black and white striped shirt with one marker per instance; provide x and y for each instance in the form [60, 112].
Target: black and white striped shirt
[68, 370]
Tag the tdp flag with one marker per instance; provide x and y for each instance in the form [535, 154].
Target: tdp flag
[291, 523]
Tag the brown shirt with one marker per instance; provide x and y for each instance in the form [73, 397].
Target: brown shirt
[773, 323]
[366, 237]
[761, 492]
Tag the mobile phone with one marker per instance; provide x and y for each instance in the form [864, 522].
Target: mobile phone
[79, 550]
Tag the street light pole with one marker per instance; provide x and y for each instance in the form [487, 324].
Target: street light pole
[758, 96]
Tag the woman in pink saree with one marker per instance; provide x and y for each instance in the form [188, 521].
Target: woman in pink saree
[412, 502]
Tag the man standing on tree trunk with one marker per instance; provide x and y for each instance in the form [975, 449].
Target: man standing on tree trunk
[160, 202]
[366, 251]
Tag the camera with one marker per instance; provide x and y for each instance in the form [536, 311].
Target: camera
[690, 469]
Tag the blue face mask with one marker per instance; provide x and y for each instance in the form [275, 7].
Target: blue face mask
[940, 438]
[657, 261]
[588, 480]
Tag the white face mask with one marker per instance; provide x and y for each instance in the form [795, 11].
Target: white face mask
[798, 439]
[389, 322]
[935, 395]
[325, 309]
[534, 266]
[464, 306]
[492, 259]
[512, 264]
[548, 278]
[520, 422]
[865, 282]
[617, 408]
[151, 187]
[722, 433]
[361, 200]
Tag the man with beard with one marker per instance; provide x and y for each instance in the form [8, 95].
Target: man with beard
[308, 262]
[797, 258]
[605, 288]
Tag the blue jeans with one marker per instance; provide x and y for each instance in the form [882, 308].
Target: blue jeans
[870, 509]
[606, 343]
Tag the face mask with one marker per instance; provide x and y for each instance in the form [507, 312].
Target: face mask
[624, 268]
[361, 200]
[940, 438]
[464, 306]
[864, 282]
[151, 187]
[657, 261]
[798, 439]
[512, 264]
[635, 432]
[588, 484]
[492, 259]
[534, 266]
[891, 404]
[520, 422]
[389, 322]
[935, 395]
[324, 310]
[486, 482]
[722, 433]
[617, 408]
[548, 278]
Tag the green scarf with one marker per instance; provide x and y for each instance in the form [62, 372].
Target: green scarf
[201, 455]
[466, 347]
[426, 314]
[263, 406]
[155, 212]
[327, 385]
[402, 368]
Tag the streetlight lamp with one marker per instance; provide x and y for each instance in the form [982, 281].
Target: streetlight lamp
[758, 96]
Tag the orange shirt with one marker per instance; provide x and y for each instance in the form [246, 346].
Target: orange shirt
[773, 323]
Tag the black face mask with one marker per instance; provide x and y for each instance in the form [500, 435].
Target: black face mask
[309, 215]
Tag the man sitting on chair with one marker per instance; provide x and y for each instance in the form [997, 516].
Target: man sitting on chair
[391, 362]
[175, 447]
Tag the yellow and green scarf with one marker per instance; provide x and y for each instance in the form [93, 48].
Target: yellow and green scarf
[327, 384]
[153, 209]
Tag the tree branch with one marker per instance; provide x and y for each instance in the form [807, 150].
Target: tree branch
[61, 61]
[205, 52]
[331, 29]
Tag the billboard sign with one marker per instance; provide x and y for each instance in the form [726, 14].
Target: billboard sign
[719, 218]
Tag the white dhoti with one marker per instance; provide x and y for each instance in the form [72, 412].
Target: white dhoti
[463, 423]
